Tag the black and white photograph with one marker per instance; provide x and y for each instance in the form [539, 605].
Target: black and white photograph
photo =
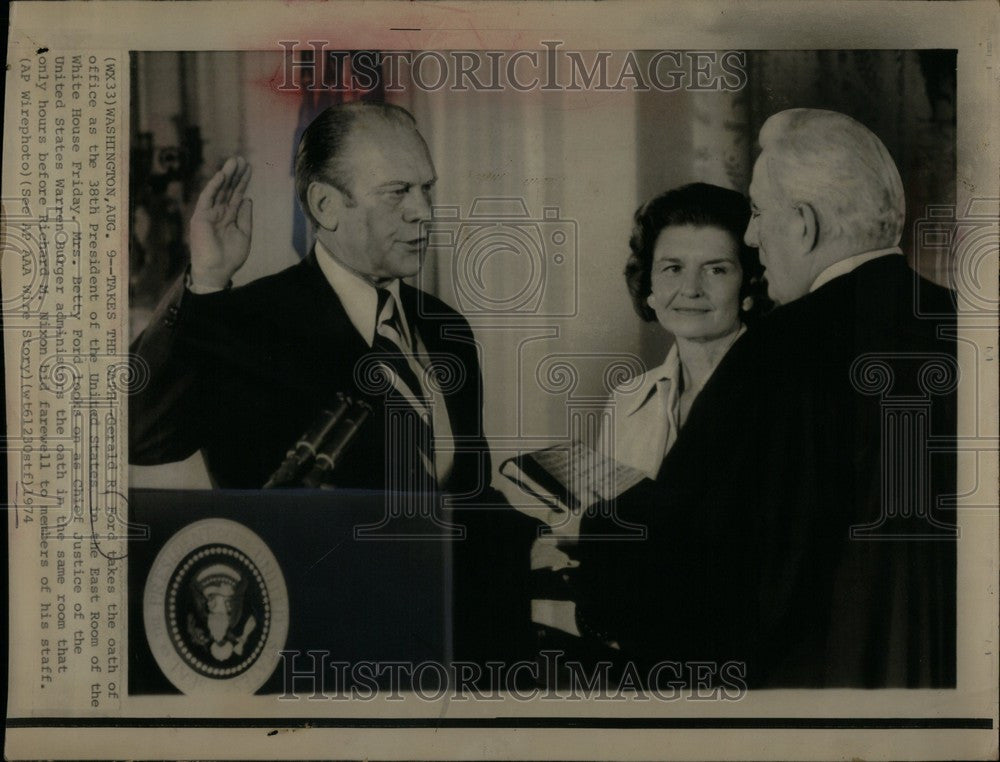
[632, 296]
[463, 375]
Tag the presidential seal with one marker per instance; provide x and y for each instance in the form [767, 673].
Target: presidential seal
[215, 608]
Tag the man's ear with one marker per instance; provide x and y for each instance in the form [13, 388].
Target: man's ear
[809, 222]
[325, 204]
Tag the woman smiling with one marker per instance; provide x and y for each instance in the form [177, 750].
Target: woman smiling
[690, 271]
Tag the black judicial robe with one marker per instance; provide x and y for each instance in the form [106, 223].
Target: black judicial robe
[800, 525]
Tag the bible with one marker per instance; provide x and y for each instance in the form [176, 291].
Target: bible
[571, 476]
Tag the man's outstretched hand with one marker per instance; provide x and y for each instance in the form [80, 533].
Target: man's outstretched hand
[221, 226]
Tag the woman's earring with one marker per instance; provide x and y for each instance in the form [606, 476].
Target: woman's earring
[747, 304]
[650, 301]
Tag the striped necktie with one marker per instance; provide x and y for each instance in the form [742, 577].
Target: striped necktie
[408, 402]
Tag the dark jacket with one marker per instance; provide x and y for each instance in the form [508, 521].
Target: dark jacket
[241, 374]
[796, 525]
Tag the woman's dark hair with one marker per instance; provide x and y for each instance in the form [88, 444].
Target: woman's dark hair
[701, 205]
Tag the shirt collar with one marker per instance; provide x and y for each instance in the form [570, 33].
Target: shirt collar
[358, 296]
[845, 266]
[666, 371]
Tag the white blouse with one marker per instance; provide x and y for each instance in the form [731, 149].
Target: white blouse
[646, 414]
[645, 411]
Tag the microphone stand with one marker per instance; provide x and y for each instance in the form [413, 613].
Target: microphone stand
[336, 444]
[304, 451]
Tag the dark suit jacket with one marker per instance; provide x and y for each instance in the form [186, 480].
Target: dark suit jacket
[816, 422]
[241, 374]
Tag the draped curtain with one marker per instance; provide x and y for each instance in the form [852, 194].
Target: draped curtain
[191, 111]
[542, 187]
[597, 157]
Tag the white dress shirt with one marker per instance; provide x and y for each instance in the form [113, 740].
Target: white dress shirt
[359, 297]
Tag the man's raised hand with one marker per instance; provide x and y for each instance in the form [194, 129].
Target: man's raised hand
[221, 226]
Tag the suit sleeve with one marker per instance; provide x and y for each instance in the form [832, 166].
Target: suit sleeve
[172, 361]
[671, 572]
[163, 417]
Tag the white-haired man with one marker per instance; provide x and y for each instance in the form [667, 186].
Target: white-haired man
[795, 530]
[825, 197]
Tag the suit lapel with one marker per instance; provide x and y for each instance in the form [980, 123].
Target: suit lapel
[333, 328]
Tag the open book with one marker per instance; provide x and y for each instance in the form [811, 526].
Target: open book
[570, 476]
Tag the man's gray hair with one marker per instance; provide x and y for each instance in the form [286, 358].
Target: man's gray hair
[321, 150]
[841, 169]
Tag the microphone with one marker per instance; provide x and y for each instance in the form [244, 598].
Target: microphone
[336, 443]
[305, 449]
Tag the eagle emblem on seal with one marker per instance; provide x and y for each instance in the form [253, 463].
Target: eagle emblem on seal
[217, 623]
